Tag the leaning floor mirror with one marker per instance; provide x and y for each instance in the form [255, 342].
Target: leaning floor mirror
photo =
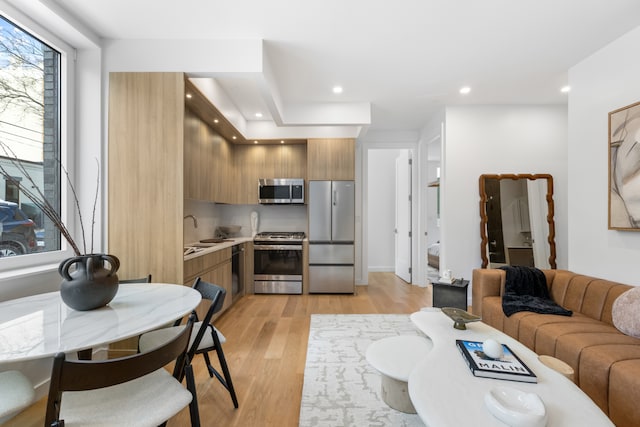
[516, 220]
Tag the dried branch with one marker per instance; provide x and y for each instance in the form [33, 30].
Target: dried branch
[77, 203]
[95, 204]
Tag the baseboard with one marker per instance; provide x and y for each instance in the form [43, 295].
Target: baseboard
[390, 269]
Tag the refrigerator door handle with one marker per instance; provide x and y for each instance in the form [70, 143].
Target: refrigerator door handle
[335, 197]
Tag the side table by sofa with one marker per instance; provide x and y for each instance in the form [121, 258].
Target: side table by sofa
[450, 294]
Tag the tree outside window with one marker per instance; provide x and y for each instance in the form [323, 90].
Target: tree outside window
[30, 132]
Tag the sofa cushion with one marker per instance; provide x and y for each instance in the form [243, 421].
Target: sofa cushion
[570, 346]
[625, 312]
[527, 330]
[548, 335]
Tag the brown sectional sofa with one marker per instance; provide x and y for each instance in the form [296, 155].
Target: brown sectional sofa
[606, 361]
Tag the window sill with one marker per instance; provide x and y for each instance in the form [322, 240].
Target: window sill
[21, 272]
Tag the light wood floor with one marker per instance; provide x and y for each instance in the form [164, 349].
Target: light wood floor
[266, 350]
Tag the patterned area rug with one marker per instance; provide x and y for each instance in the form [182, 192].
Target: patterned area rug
[340, 387]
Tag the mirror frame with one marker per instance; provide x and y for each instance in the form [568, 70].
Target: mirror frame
[551, 238]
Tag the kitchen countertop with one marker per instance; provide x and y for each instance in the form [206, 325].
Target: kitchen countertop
[216, 246]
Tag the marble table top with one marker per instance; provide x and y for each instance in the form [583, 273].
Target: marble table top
[445, 393]
[40, 326]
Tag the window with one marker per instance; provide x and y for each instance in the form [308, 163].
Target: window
[11, 192]
[30, 139]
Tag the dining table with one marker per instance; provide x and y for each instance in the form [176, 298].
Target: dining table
[39, 326]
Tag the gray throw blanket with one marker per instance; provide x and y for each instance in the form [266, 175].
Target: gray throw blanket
[525, 289]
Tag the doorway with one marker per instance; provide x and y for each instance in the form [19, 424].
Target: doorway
[381, 212]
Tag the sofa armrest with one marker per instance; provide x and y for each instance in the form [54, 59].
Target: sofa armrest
[485, 282]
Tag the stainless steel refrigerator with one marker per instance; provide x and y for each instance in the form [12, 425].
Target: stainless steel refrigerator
[331, 236]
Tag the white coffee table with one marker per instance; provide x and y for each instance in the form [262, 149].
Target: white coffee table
[444, 392]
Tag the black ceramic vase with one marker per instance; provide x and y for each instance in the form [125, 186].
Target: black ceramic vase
[90, 285]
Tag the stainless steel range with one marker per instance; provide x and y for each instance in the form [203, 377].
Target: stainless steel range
[277, 263]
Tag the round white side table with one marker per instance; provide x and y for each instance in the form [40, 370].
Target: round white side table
[394, 358]
[16, 393]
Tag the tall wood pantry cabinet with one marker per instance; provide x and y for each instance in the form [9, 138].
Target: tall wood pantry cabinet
[146, 174]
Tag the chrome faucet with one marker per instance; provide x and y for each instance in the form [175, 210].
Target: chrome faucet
[195, 220]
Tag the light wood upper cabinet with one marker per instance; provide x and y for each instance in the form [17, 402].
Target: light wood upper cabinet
[145, 174]
[251, 162]
[207, 165]
[331, 159]
[223, 172]
[198, 152]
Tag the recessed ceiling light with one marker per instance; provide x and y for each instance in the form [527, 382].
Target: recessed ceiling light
[565, 89]
[337, 89]
[465, 90]
[258, 115]
[189, 96]
[281, 142]
[216, 121]
[255, 142]
[234, 137]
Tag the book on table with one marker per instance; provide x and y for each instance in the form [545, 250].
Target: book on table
[508, 367]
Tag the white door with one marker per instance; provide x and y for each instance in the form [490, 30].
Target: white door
[403, 216]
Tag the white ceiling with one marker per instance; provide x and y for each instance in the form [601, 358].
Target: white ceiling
[403, 59]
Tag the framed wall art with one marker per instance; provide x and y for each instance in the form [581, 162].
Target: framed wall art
[624, 168]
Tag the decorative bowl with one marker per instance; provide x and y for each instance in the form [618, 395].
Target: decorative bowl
[516, 408]
[460, 317]
[229, 229]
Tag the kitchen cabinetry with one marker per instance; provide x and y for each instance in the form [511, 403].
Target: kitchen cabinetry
[207, 161]
[264, 161]
[214, 268]
[248, 268]
[146, 174]
[331, 159]
[199, 156]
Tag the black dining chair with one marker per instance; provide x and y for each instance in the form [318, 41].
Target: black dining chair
[134, 390]
[136, 280]
[205, 337]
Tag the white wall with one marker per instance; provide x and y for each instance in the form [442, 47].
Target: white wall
[497, 139]
[381, 208]
[605, 81]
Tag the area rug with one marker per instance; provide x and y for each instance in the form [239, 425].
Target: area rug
[340, 387]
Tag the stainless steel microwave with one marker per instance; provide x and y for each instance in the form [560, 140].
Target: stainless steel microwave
[281, 191]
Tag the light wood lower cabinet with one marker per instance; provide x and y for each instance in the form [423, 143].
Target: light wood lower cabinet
[247, 276]
[213, 268]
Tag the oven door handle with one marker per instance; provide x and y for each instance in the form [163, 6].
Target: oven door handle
[277, 247]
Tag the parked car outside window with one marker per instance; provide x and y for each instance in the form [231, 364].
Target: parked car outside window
[18, 235]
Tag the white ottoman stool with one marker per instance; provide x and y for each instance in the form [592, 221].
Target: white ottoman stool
[395, 358]
[16, 393]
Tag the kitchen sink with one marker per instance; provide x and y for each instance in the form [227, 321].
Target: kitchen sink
[188, 250]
